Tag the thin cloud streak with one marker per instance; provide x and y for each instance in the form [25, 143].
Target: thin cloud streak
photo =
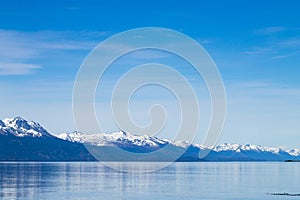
[17, 68]
[270, 30]
[18, 49]
[275, 49]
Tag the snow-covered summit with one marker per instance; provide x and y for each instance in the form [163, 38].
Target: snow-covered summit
[121, 137]
[247, 147]
[294, 152]
[21, 128]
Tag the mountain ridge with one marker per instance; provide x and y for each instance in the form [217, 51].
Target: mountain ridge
[223, 152]
[17, 133]
[81, 138]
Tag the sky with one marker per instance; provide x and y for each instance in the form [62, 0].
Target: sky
[255, 44]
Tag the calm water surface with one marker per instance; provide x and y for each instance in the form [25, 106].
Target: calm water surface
[179, 181]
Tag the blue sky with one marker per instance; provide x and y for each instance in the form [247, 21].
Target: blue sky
[255, 44]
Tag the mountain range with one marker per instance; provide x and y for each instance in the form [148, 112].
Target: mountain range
[21, 140]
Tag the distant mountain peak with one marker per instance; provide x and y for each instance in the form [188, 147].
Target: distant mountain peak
[16, 122]
[19, 127]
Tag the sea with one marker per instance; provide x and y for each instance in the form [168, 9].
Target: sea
[180, 180]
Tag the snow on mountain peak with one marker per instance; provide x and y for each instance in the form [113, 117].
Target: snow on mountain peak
[114, 138]
[294, 152]
[20, 127]
[16, 122]
[72, 137]
[247, 147]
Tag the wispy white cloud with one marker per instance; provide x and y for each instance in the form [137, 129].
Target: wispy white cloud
[280, 57]
[43, 40]
[260, 50]
[17, 68]
[261, 90]
[273, 46]
[252, 84]
[275, 50]
[270, 30]
[293, 42]
[18, 49]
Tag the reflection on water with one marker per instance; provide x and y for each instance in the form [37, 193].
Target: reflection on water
[179, 181]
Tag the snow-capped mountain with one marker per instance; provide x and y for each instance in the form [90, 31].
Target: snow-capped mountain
[294, 152]
[249, 152]
[23, 140]
[248, 147]
[223, 152]
[116, 138]
[20, 127]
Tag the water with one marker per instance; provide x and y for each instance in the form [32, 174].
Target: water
[232, 180]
